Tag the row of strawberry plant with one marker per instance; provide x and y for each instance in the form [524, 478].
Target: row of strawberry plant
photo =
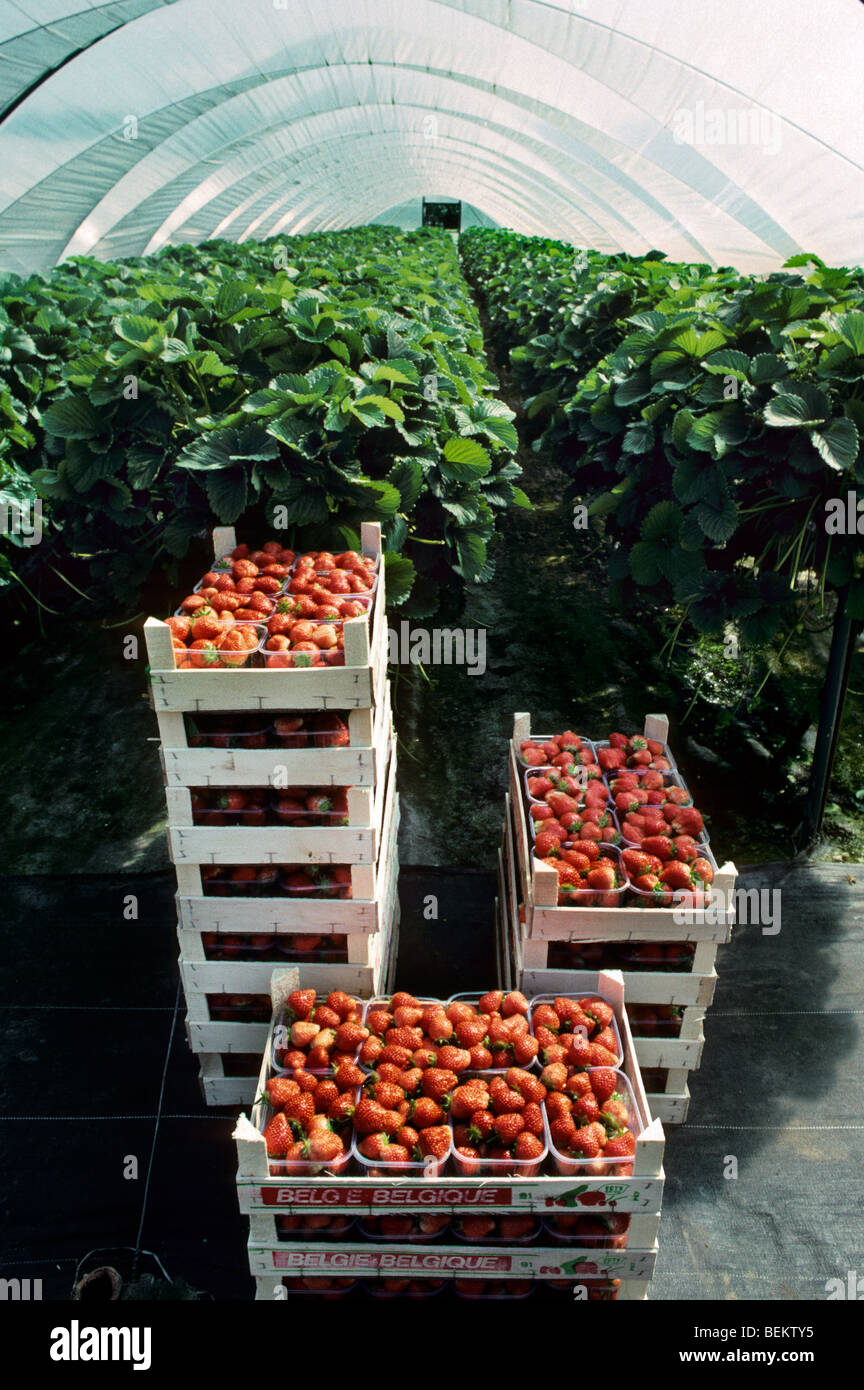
[318, 381]
[711, 420]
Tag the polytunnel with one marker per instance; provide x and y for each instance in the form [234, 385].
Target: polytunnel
[610, 123]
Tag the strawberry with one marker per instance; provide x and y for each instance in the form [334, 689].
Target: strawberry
[470, 1032]
[659, 845]
[507, 1127]
[532, 1116]
[472, 1095]
[602, 879]
[378, 1021]
[601, 1056]
[685, 848]
[438, 1083]
[425, 1112]
[435, 1141]
[349, 1036]
[557, 1104]
[348, 1076]
[614, 1115]
[562, 1131]
[325, 1146]
[490, 1003]
[683, 820]
[301, 1003]
[702, 871]
[481, 1125]
[526, 1084]
[676, 875]
[280, 1090]
[278, 1136]
[598, 1009]
[387, 1093]
[589, 848]
[622, 1145]
[341, 1110]
[636, 862]
[375, 1146]
[525, 1049]
[547, 844]
[482, 1059]
[476, 1227]
[454, 1058]
[408, 1137]
[369, 1117]
[585, 1109]
[528, 1147]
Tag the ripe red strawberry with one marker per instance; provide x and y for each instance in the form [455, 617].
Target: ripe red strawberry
[324, 1146]
[342, 1004]
[471, 1031]
[554, 1076]
[477, 1227]
[622, 1145]
[683, 820]
[702, 871]
[589, 848]
[387, 1093]
[435, 1141]
[348, 1076]
[585, 1109]
[603, 879]
[606, 1038]
[507, 1127]
[300, 1108]
[350, 1035]
[584, 1143]
[481, 1057]
[685, 848]
[490, 1003]
[400, 1056]
[408, 1137]
[676, 875]
[601, 1056]
[528, 1147]
[375, 1146]
[547, 844]
[438, 1082]
[301, 1003]
[658, 845]
[472, 1095]
[526, 1083]
[280, 1089]
[481, 1126]
[369, 1116]
[532, 1116]
[598, 1009]
[454, 1058]
[557, 1104]
[525, 1049]
[504, 1101]
[563, 1132]
[424, 1113]
[325, 1093]
[378, 1021]
[577, 1050]
[404, 1037]
[341, 1110]
[636, 862]
[278, 1136]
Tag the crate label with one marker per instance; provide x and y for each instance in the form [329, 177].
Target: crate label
[393, 1259]
[390, 1196]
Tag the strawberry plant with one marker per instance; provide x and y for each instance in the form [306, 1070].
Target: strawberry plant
[314, 383]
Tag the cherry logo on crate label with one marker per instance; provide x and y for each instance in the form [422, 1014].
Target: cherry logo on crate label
[386, 1196]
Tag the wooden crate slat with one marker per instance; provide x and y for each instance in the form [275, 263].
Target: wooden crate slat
[358, 765]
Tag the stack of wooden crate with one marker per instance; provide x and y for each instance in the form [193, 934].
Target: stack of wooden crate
[279, 1260]
[539, 931]
[227, 997]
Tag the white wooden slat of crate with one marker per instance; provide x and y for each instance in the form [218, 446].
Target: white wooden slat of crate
[671, 1109]
[359, 765]
[364, 981]
[354, 916]
[521, 1262]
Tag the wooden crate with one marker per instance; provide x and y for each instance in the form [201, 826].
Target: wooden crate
[359, 765]
[546, 921]
[530, 955]
[359, 842]
[357, 915]
[417, 1260]
[640, 1193]
[357, 684]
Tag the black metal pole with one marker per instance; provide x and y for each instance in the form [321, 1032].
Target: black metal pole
[830, 718]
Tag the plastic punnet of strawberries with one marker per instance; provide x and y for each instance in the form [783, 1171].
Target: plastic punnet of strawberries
[588, 875]
[635, 752]
[561, 812]
[498, 1124]
[316, 1033]
[408, 1033]
[565, 751]
[588, 1113]
[579, 1032]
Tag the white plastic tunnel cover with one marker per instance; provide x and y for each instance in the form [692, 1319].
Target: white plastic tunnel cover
[727, 134]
